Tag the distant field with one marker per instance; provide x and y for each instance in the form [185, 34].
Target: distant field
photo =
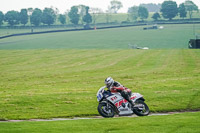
[124, 16]
[177, 123]
[9, 31]
[101, 20]
[172, 36]
[63, 83]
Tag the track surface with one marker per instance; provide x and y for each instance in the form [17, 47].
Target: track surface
[94, 117]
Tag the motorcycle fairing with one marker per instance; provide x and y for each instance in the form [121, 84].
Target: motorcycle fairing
[121, 104]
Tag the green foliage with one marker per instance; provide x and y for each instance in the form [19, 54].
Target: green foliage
[176, 123]
[182, 10]
[151, 7]
[62, 19]
[24, 16]
[190, 7]
[116, 5]
[12, 17]
[143, 13]
[133, 12]
[81, 12]
[87, 18]
[169, 9]
[1, 18]
[36, 17]
[156, 16]
[73, 15]
[48, 16]
[30, 11]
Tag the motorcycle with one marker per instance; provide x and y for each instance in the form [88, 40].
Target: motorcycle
[113, 103]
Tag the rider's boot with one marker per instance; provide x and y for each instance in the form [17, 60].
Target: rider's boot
[132, 103]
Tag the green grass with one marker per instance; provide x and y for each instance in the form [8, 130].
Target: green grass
[58, 75]
[9, 31]
[63, 83]
[172, 36]
[177, 123]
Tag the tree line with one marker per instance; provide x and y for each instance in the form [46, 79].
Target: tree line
[86, 15]
[169, 10]
[47, 16]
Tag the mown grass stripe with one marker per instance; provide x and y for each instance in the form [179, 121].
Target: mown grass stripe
[53, 83]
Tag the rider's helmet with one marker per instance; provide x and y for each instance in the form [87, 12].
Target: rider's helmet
[109, 82]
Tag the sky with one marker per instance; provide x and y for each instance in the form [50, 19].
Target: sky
[63, 5]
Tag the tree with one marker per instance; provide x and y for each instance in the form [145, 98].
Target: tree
[87, 18]
[182, 10]
[62, 19]
[95, 14]
[143, 13]
[30, 11]
[116, 5]
[1, 18]
[73, 15]
[81, 12]
[12, 17]
[67, 16]
[36, 17]
[48, 16]
[169, 9]
[133, 12]
[152, 7]
[190, 7]
[24, 16]
[156, 16]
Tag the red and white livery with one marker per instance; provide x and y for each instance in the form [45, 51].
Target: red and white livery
[113, 103]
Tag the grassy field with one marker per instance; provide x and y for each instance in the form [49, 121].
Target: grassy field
[119, 17]
[172, 36]
[177, 123]
[58, 75]
[63, 83]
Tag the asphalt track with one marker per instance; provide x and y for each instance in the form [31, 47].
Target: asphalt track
[94, 117]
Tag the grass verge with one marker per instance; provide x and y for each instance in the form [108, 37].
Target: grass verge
[176, 123]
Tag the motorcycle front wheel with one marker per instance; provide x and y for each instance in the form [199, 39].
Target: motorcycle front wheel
[141, 108]
[105, 110]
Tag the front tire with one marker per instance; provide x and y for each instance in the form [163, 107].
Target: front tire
[141, 108]
[105, 110]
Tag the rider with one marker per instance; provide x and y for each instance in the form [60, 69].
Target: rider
[115, 86]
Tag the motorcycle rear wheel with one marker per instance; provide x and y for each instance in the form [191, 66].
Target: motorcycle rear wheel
[141, 108]
[105, 110]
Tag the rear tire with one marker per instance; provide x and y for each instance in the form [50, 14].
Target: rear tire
[141, 108]
[105, 110]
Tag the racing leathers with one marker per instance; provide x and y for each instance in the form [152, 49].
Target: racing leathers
[125, 92]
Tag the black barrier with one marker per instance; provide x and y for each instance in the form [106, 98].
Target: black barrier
[42, 32]
[54, 31]
[105, 27]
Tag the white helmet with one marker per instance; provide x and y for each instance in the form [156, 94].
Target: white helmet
[109, 82]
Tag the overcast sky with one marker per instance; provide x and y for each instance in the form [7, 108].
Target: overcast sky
[63, 5]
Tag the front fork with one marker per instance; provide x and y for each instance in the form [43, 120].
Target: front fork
[109, 105]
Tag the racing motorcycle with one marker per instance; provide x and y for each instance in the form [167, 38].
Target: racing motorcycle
[113, 103]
